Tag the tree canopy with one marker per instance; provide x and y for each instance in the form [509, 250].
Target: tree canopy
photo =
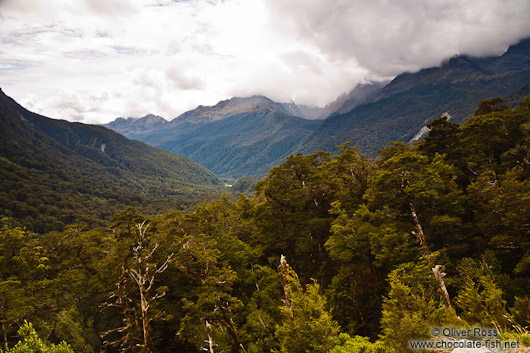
[334, 253]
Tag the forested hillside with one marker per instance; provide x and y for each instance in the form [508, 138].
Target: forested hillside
[334, 253]
[249, 136]
[234, 138]
[399, 110]
[54, 172]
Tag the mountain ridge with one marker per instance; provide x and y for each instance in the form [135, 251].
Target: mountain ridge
[370, 115]
[248, 143]
[93, 171]
[234, 138]
[399, 110]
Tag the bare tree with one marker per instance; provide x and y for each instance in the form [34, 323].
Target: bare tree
[209, 341]
[130, 332]
[145, 278]
[283, 272]
[144, 275]
[439, 276]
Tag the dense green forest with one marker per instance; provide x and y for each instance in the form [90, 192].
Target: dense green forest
[54, 173]
[334, 253]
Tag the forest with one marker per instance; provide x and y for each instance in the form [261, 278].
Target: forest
[334, 253]
[54, 173]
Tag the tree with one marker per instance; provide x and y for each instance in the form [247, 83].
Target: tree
[31, 343]
[358, 344]
[14, 306]
[355, 291]
[210, 294]
[413, 305]
[480, 299]
[413, 194]
[491, 105]
[292, 206]
[307, 326]
[442, 137]
[22, 265]
[262, 312]
[144, 273]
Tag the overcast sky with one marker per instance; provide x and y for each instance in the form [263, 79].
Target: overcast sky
[95, 60]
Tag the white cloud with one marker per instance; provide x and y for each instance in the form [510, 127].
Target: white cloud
[94, 60]
[388, 37]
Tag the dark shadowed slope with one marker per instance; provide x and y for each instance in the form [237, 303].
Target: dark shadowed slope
[54, 172]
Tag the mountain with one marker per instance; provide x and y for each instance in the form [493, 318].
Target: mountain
[400, 110]
[516, 58]
[238, 105]
[248, 136]
[236, 137]
[362, 93]
[55, 172]
[132, 127]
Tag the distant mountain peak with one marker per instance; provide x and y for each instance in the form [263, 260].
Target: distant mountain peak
[398, 111]
[240, 105]
[132, 126]
[223, 109]
[517, 57]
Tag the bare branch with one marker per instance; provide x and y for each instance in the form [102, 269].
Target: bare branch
[441, 284]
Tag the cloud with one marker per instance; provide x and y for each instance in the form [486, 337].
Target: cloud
[388, 37]
[110, 7]
[77, 107]
[165, 56]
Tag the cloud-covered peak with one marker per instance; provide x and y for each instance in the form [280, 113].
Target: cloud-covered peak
[389, 37]
[93, 60]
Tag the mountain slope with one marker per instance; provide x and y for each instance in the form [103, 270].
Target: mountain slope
[132, 127]
[247, 136]
[236, 137]
[243, 144]
[239, 105]
[55, 172]
[360, 94]
[399, 110]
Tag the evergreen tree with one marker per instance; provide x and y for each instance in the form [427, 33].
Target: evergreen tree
[31, 343]
[307, 326]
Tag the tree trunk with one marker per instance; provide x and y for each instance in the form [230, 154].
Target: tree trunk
[145, 321]
[283, 272]
[229, 324]
[4, 329]
[420, 236]
[441, 284]
[210, 340]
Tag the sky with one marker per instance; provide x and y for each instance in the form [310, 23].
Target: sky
[95, 60]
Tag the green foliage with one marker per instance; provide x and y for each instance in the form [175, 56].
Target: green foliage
[307, 326]
[491, 105]
[442, 137]
[263, 310]
[358, 344]
[521, 311]
[22, 267]
[480, 299]
[413, 305]
[370, 231]
[31, 343]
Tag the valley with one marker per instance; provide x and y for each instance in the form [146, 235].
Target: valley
[249, 136]
[397, 212]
